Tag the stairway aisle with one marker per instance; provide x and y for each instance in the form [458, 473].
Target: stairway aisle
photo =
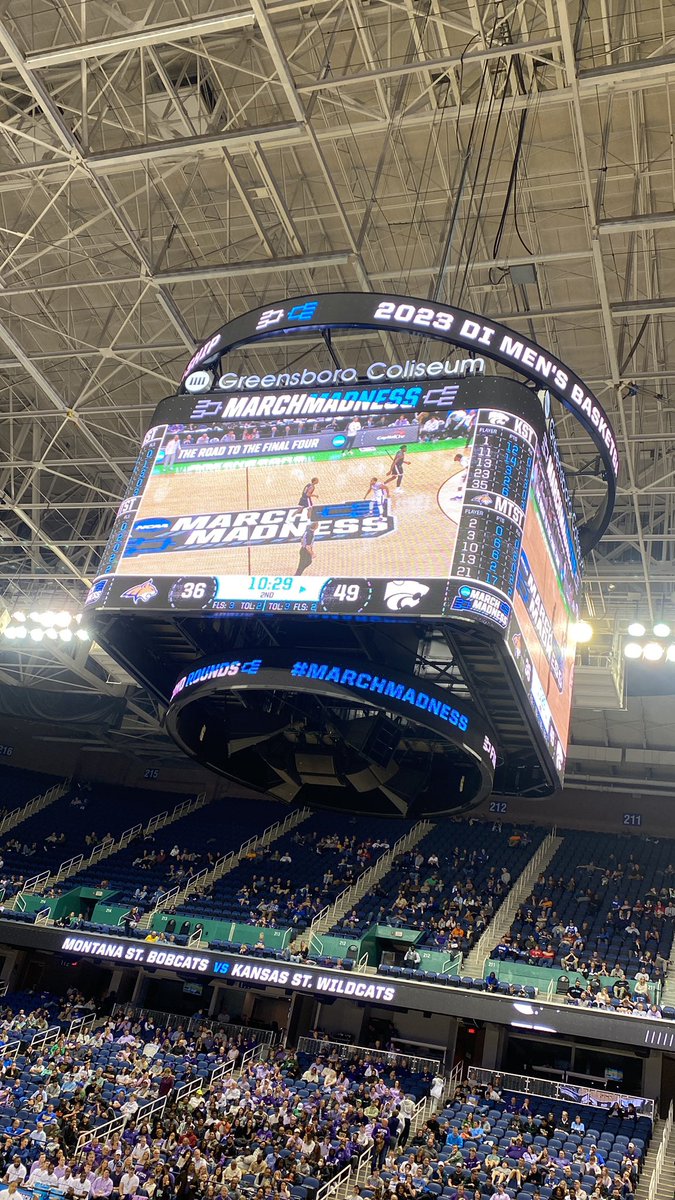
[501, 922]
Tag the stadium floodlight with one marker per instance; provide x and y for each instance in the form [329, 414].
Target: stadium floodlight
[20, 631]
[670, 653]
[19, 616]
[51, 634]
[661, 630]
[10, 632]
[632, 650]
[582, 632]
[83, 635]
[37, 634]
[652, 652]
[65, 635]
[637, 629]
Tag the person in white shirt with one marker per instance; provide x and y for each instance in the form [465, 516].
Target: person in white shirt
[129, 1184]
[81, 1186]
[16, 1172]
[38, 1135]
[130, 1107]
[10, 1191]
[40, 1164]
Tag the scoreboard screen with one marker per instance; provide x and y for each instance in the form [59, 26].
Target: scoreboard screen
[546, 603]
[268, 513]
[388, 502]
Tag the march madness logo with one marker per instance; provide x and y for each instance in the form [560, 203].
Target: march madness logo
[274, 526]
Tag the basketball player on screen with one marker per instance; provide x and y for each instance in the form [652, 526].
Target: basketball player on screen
[380, 494]
[308, 494]
[396, 472]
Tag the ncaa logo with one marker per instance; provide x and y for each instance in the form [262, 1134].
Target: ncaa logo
[199, 381]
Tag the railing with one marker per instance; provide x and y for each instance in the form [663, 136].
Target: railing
[156, 820]
[226, 862]
[102, 848]
[266, 1037]
[80, 1025]
[44, 1038]
[452, 966]
[10, 1050]
[35, 805]
[455, 1077]
[42, 915]
[185, 1090]
[660, 1157]
[35, 882]
[332, 1186]
[111, 845]
[4, 987]
[194, 1024]
[19, 903]
[362, 962]
[316, 1046]
[572, 1093]
[70, 864]
[364, 881]
[485, 942]
[195, 937]
[116, 1125]
[138, 1013]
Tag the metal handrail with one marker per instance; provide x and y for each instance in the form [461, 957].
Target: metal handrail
[661, 1156]
[385, 860]
[486, 939]
[35, 881]
[232, 858]
[18, 815]
[531, 1085]
[416, 1062]
[44, 1038]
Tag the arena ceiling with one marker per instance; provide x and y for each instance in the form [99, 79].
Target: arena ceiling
[165, 166]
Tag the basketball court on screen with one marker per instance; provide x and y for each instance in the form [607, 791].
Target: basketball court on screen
[422, 541]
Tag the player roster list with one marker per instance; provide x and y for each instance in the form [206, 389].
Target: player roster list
[490, 528]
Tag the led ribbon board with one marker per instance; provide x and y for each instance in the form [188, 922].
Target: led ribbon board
[455, 326]
[465, 747]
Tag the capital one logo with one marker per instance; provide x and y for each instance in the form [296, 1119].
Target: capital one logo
[404, 593]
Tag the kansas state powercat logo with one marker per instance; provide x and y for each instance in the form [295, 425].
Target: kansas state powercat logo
[141, 592]
[404, 593]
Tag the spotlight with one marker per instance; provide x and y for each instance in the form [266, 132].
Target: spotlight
[65, 635]
[62, 619]
[82, 634]
[637, 629]
[670, 653]
[652, 652]
[20, 631]
[35, 616]
[632, 650]
[582, 632]
[37, 634]
[10, 632]
[18, 616]
[51, 634]
[661, 629]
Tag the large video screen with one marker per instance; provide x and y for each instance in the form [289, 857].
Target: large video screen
[546, 602]
[407, 504]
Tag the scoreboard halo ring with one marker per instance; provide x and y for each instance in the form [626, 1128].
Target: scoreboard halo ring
[444, 323]
[465, 755]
